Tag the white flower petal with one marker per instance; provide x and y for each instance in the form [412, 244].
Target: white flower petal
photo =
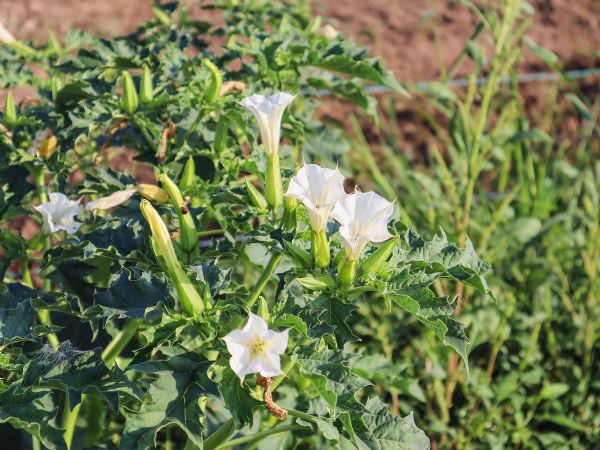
[112, 200]
[257, 324]
[58, 213]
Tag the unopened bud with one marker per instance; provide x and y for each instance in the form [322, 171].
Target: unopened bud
[317, 283]
[10, 110]
[257, 199]
[299, 255]
[187, 229]
[153, 192]
[129, 100]
[375, 260]
[186, 182]
[216, 80]
[146, 88]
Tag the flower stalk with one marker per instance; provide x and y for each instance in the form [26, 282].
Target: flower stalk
[320, 248]
[273, 188]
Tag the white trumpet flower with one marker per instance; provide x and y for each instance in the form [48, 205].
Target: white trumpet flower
[112, 200]
[59, 213]
[255, 348]
[268, 112]
[318, 189]
[363, 217]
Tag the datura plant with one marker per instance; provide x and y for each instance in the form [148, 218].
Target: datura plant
[203, 295]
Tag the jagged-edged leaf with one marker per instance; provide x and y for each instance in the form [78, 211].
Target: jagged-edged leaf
[17, 315]
[329, 314]
[237, 399]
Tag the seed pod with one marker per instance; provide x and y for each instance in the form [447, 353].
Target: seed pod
[187, 229]
[220, 140]
[146, 88]
[10, 110]
[216, 81]
[375, 260]
[153, 192]
[300, 256]
[186, 183]
[257, 199]
[129, 100]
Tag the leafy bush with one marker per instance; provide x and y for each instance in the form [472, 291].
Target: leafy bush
[139, 320]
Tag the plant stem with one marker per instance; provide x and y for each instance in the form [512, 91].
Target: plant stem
[208, 233]
[119, 342]
[221, 434]
[260, 435]
[264, 278]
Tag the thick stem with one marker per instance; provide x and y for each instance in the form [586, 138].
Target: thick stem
[220, 435]
[264, 278]
[260, 435]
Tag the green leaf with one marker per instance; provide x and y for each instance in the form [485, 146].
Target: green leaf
[17, 315]
[237, 399]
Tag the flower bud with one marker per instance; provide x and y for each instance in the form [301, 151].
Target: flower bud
[216, 80]
[146, 88]
[263, 308]
[300, 256]
[220, 140]
[162, 245]
[289, 219]
[274, 191]
[153, 192]
[186, 182]
[317, 283]
[55, 86]
[375, 260]
[320, 248]
[187, 229]
[129, 99]
[347, 273]
[257, 199]
[10, 111]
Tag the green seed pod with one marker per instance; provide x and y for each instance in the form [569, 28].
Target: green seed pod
[317, 283]
[10, 110]
[320, 249]
[146, 88]
[186, 183]
[220, 135]
[129, 100]
[300, 256]
[214, 87]
[375, 260]
[257, 199]
[347, 273]
[263, 308]
[188, 238]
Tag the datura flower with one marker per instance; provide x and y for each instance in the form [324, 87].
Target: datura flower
[363, 217]
[318, 189]
[256, 349]
[112, 200]
[268, 112]
[59, 213]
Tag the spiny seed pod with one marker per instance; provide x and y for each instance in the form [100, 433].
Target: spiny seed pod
[187, 229]
[375, 260]
[153, 192]
[10, 110]
[216, 81]
[129, 100]
[146, 88]
[299, 255]
[257, 199]
[186, 182]
[220, 135]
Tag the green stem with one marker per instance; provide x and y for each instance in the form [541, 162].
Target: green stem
[260, 435]
[223, 433]
[69, 421]
[208, 233]
[264, 278]
[119, 342]
[300, 415]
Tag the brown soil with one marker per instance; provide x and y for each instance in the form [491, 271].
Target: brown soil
[401, 31]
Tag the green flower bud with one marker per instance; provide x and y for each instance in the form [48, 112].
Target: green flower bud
[300, 256]
[220, 135]
[347, 273]
[257, 199]
[10, 110]
[53, 44]
[188, 238]
[162, 246]
[317, 283]
[129, 99]
[263, 308]
[186, 182]
[375, 260]
[274, 191]
[161, 15]
[289, 219]
[216, 81]
[320, 248]
[146, 88]
[56, 85]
